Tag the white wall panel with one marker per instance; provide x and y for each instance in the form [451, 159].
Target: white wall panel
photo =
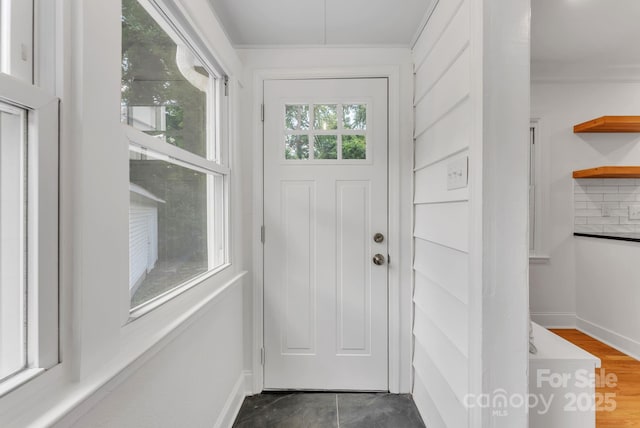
[444, 266]
[460, 93]
[438, 23]
[452, 88]
[454, 40]
[446, 224]
[447, 313]
[449, 135]
[431, 341]
[451, 410]
[441, 217]
[431, 183]
[426, 406]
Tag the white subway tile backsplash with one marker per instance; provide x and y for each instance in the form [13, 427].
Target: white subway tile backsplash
[589, 181]
[588, 213]
[602, 189]
[621, 197]
[603, 220]
[589, 228]
[580, 197]
[618, 182]
[615, 195]
[619, 212]
[619, 228]
[625, 220]
[629, 189]
[599, 205]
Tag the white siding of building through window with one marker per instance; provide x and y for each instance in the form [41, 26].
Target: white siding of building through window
[143, 234]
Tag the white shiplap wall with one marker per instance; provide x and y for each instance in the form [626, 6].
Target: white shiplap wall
[441, 217]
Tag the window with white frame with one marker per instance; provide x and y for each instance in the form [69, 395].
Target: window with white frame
[173, 105]
[28, 205]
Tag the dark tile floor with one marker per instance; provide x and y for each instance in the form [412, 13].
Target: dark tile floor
[326, 410]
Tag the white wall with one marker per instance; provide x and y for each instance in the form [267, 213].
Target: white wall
[443, 134]
[194, 381]
[571, 284]
[187, 352]
[470, 246]
[296, 63]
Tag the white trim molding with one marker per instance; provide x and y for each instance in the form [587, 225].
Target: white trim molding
[554, 319]
[397, 366]
[233, 404]
[622, 343]
[559, 72]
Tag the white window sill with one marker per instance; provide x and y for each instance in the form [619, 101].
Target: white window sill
[539, 258]
[18, 379]
[154, 303]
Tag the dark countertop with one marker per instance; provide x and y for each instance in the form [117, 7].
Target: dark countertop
[633, 237]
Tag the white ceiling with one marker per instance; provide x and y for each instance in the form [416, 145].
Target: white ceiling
[604, 32]
[321, 22]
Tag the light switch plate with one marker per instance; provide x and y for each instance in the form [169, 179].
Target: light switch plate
[634, 212]
[458, 173]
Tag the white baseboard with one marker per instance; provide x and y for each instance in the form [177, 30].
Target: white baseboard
[248, 382]
[554, 319]
[621, 343]
[232, 406]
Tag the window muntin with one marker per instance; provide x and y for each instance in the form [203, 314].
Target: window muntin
[325, 132]
[173, 105]
[13, 286]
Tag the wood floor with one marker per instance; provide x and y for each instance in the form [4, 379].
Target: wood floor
[627, 390]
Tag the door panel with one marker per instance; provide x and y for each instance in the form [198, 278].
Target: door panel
[354, 282]
[298, 226]
[325, 301]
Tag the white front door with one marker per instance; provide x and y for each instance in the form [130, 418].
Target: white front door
[325, 197]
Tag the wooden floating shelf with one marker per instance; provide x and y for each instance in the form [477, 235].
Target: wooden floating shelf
[609, 172]
[610, 124]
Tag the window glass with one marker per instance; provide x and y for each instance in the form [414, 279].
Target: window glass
[325, 117]
[165, 88]
[16, 39]
[174, 224]
[12, 234]
[297, 147]
[354, 147]
[296, 117]
[325, 147]
[354, 116]
[339, 132]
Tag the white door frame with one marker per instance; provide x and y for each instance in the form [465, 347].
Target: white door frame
[392, 73]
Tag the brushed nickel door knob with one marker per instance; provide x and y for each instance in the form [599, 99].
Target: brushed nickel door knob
[378, 259]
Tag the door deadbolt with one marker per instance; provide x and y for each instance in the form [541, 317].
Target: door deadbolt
[378, 259]
[378, 237]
